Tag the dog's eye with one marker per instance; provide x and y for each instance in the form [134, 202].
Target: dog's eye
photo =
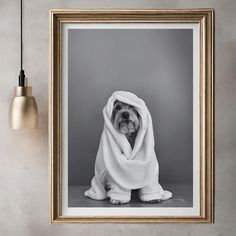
[118, 107]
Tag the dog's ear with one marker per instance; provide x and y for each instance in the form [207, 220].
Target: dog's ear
[113, 112]
[115, 102]
[136, 112]
[113, 115]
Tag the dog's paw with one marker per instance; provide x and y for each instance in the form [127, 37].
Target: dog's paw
[153, 201]
[117, 202]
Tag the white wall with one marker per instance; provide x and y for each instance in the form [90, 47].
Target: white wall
[24, 191]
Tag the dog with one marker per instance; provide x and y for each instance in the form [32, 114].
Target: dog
[126, 158]
[125, 119]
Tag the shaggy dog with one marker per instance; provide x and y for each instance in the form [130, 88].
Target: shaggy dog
[126, 158]
[125, 119]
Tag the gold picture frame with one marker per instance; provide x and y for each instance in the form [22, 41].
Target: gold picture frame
[204, 18]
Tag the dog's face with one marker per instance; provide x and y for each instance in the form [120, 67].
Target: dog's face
[125, 118]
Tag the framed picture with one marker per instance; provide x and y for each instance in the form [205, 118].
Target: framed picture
[132, 115]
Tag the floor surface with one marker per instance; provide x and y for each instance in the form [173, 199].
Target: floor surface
[182, 197]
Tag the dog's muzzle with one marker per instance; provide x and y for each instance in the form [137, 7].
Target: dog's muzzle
[126, 125]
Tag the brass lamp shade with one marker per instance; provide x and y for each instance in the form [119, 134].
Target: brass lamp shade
[23, 111]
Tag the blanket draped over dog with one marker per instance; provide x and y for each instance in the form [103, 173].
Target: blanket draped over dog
[118, 164]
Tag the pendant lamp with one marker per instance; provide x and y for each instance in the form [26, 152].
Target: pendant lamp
[23, 113]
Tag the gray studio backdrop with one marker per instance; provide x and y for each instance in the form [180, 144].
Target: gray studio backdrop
[156, 65]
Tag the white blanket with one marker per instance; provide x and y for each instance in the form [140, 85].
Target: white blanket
[118, 168]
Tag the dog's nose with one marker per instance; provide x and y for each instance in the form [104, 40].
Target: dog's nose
[125, 114]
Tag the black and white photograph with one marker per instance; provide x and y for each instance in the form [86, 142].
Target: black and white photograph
[130, 120]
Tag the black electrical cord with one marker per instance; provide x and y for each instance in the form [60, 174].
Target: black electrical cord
[21, 37]
[22, 73]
